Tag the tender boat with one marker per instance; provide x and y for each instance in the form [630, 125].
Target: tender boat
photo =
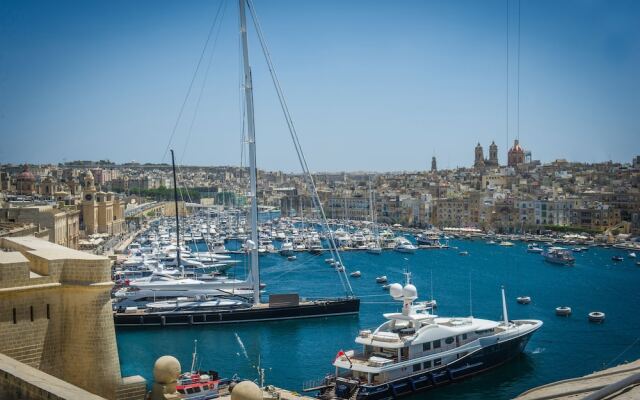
[523, 300]
[381, 279]
[506, 243]
[291, 258]
[617, 258]
[403, 245]
[632, 255]
[464, 253]
[414, 351]
[356, 274]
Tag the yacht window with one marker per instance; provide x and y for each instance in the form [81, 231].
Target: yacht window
[436, 344]
[464, 336]
[426, 346]
[416, 367]
[448, 340]
[426, 364]
[196, 389]
[181, 391]
[189, 390]
[437, 361]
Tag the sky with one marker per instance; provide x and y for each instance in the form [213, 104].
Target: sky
[371, 85]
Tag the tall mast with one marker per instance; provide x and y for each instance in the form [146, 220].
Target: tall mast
[251, 130]
[175, 200]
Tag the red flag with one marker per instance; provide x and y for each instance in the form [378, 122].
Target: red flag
[340, 354]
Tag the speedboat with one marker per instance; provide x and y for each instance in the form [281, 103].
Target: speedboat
[533, 248]
[414, 350]
[381, 279]
[617, 258]
[403, 245]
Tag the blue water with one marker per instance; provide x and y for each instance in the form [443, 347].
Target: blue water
[299, 350]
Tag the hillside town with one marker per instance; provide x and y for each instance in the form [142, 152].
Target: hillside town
[83, 203]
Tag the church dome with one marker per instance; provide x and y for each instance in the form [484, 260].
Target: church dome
[516, 147]
[26, 175]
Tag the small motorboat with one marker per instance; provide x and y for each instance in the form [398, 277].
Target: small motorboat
[386, 287]
[381, 279]
[617, 258]
[464, 253]
[596, 316]
[491, 242]
[523, 300]
[533, 248]
[506, 243]
[632, 255]
[340, 269]
[563, 311]
[356, 274]
[291, 258]
[329, 260]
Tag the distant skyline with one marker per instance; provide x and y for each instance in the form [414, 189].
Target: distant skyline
[371, 85]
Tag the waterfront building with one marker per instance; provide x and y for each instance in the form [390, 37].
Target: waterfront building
[62, 224]
[57, 324]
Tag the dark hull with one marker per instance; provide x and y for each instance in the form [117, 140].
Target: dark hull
[473, 364]
[321, 308]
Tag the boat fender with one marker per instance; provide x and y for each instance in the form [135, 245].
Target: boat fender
[190, 319]
[163, 320]
[141, 320]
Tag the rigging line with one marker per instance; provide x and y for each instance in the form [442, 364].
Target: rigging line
[294, 136]
[507, 100]
[186, 97]
[206, 74]
[623, 351]
[518, 74]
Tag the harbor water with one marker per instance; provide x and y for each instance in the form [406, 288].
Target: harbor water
[295, 351]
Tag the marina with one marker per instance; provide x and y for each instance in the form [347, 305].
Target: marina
[562, 348]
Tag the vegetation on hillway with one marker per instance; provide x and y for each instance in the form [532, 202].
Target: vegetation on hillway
[570, 229]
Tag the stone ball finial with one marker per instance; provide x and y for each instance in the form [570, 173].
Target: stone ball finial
[166, 370]
[246, 390]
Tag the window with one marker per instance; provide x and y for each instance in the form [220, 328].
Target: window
[426, 346]
[31, 312]
[15, 317]
[48, 315]
[437, 362]
[189, 390]
[426, 364]
[196, 389]
[436, 344]
[416, 367]
[448, 340]
[464, 336]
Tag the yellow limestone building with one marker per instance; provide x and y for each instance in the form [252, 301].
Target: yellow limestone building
[101, 212]
[56, 325]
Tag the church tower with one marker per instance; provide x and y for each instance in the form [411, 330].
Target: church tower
[479, 159]
[434, 166]
[493, 154]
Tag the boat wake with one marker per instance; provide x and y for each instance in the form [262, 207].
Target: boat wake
[538, 350]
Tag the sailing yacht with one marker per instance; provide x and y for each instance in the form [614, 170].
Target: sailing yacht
[279, 306]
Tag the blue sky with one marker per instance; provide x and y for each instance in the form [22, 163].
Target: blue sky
[372, 85]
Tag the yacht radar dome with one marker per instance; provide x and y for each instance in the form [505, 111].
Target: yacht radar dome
[410, 292]
[396, 291]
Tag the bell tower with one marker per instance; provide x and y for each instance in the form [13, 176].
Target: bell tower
[89, 205]
[479, 159]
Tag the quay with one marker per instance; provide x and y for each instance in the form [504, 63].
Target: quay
[621, 382]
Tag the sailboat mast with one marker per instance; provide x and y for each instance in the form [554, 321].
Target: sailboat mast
[175, 202]
[251, 131]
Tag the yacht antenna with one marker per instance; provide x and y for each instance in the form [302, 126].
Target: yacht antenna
[504, 309]
[431, 282]
[251, 129]
[175, 201]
